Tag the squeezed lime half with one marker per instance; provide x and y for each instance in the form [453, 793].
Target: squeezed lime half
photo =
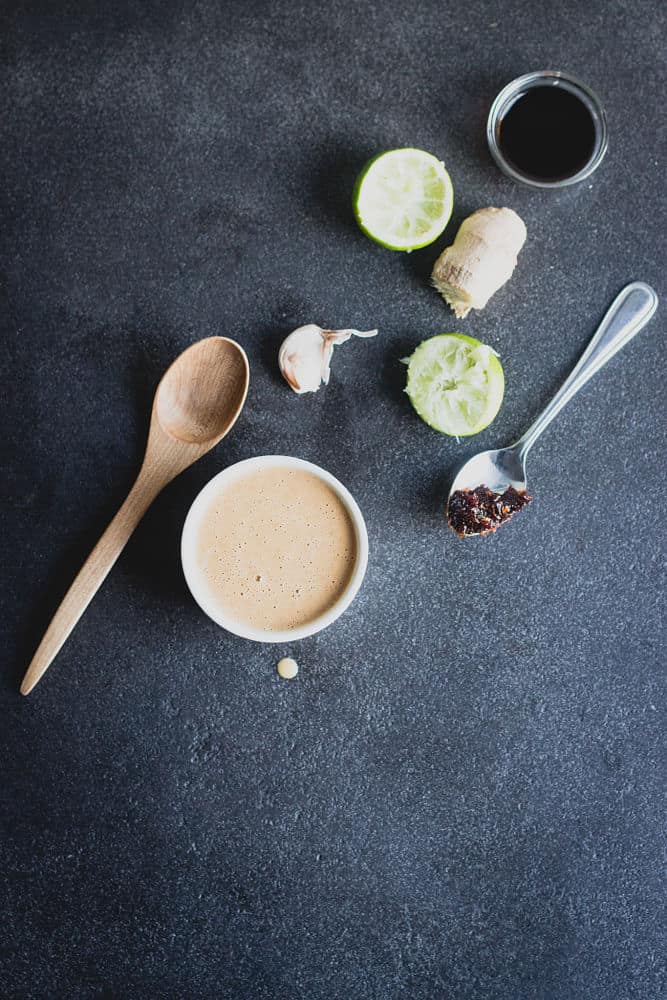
[455, 383]
[403, 198]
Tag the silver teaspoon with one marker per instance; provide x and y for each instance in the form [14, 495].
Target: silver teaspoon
[506, 467]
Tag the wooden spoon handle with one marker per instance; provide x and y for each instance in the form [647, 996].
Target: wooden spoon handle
[91, 575]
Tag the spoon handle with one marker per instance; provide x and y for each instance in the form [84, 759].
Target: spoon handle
[92, 574]
[627, 315]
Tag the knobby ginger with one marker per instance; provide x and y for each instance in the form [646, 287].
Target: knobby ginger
[481, 259]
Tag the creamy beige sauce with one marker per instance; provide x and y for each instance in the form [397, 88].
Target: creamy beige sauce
[276, 548]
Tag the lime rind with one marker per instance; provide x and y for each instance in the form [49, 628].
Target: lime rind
[455, 383]
[403, 199]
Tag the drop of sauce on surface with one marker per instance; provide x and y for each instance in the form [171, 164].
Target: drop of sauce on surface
[287, 668]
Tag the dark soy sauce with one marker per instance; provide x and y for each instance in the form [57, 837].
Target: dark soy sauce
[548, 134]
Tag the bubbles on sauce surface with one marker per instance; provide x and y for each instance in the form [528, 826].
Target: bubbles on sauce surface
[284, 548]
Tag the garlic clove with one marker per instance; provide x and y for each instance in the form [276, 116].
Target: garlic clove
[300, 358]
[305, 355]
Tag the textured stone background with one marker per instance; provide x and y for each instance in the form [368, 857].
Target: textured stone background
[462, 794]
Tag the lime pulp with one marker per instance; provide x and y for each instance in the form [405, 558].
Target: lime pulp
[455, 383]
[403, 198]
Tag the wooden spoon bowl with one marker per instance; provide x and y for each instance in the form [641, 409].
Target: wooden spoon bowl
[202, 393]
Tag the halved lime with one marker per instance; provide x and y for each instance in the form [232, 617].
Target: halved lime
[455, 383]
[403, 198]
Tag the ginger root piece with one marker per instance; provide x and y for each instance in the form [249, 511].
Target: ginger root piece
[480, 260]
[305, 355]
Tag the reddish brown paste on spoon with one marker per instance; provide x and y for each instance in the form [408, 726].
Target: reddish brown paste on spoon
[481, 511]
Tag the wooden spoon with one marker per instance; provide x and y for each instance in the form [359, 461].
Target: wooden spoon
[196, 404]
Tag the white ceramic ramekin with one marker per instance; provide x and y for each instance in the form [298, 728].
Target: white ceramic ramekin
[194, 577]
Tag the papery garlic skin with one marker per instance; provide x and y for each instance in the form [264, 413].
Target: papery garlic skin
[481, 259]
[305, 355]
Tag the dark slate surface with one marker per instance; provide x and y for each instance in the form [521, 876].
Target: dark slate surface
[461, 795]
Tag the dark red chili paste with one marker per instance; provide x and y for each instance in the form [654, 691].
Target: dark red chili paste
[481, 511]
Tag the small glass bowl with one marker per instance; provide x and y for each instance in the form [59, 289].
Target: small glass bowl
[540, 78]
